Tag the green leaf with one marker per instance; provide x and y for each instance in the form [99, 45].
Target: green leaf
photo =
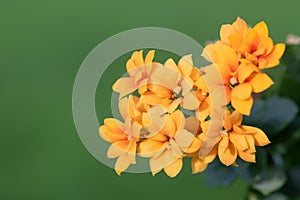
[218, 174]
[291, 59]
[277, 74]
[272, 181]
[272, 115]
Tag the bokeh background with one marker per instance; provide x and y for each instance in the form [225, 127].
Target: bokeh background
[43, 43]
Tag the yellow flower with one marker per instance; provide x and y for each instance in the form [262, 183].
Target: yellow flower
[139, 70]
[239, 80]
[124, 138]
[199, 164]
[166, 148]
[239, 140]
[133, 108]
[253, 44]
[171, 85]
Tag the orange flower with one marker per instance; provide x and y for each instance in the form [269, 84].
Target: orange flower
[139, 71]
[253, 44]
[239, 140]
[166, 148]
[124, 137]
[239, 80]
[171, 85]
[133, 108]
[199, 164]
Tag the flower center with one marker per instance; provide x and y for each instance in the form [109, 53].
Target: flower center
[168, 147]
[233, 81]
[177, 90]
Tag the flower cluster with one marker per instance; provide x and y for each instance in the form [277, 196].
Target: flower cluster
[153, 99]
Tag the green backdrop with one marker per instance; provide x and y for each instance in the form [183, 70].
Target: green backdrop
[43, 43]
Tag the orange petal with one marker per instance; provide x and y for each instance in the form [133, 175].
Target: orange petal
[163, 158]
[124, 86]
[123, 107]
[226, 31]
[227, 156]
[240, 26]
[244, 71]
[259, 136]
[179, 119]
[242, 91]
[251, 144]
[260, 82]
[114, 125]
[169, 127]
[211, 155]
[262, 29]
[186, 85]
[123, 145]
[123, 163]
[130, 65]
[198, 165]
[159, 137]
[149, 147]
[170, 63]
[273, 58]
[149, 57]
[110, 136]
[185, 65]
[236, 118]
[160, 91]
[138, 58]
[184, 139]
[201, 84]
[114, 151]
[265, 47]
[151, 99]
[248, 157]
[239, 141]
[190, 101]
[243, 106]
[195, 146]
[174, 169]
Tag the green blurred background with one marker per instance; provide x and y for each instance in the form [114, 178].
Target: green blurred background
[43, 43]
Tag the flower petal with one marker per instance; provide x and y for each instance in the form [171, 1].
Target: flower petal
[185, 65]
[242, 91]
[260, 82]
[227, 156]
[123, 163]
[124, 86]
[244, 71]
[262, 29]
[198, 165]
[149, 147]
[195, 146]
[149, 57]
[239, 141]
[243, 106]
[259, 136]
[248, 157]
[184, 139]
[174, 169]
[190, 101]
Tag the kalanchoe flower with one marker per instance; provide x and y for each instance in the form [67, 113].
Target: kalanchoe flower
[213, 98]
[139, 70]
[171, 85]
[124, 137]
[252, 44]
[166, 148]
[240, 77]
[237, 139]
